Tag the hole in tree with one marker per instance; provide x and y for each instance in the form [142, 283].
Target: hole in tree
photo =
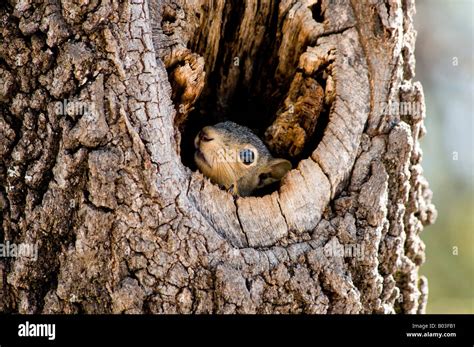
[251, 100]
[317, 12]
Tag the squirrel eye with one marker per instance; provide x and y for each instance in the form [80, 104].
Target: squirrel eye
[247, 156]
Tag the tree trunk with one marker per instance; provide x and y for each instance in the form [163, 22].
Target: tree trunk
[98, 107]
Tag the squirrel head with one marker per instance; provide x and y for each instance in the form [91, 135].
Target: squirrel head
[234, 157]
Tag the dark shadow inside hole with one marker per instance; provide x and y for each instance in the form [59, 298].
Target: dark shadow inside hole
[317, 12]
[244, 109]
[253, 102]
[248, 111]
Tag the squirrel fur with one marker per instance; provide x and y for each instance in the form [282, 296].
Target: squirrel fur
[232, 156]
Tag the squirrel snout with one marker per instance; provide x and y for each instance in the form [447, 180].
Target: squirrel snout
[202, 136]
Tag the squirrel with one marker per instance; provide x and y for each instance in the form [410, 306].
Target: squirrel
[233, 157]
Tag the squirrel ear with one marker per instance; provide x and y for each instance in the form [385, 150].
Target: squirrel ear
[279, 168]
[274, 171]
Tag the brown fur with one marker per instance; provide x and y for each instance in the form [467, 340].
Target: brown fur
[217, 156]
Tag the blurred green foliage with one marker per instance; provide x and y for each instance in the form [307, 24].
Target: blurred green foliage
[444, 53]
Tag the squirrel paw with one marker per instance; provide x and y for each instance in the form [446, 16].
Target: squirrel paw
[233, 190]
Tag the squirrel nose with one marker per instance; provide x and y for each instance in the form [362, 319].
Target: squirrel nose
[204, 136]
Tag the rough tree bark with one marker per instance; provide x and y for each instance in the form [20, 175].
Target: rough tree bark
[124, 223]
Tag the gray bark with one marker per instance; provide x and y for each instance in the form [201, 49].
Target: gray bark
[123, 226]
